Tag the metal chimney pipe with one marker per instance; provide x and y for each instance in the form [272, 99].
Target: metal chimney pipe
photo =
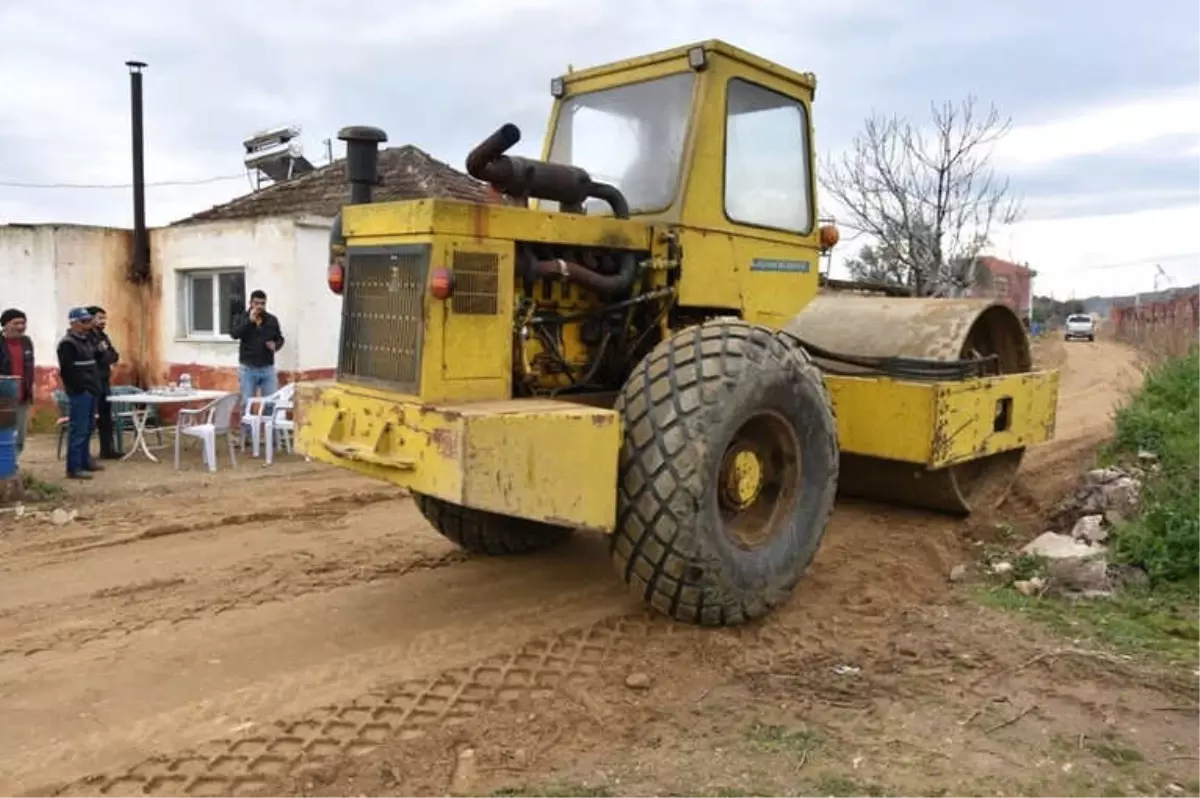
[362, 160]
[140, 267]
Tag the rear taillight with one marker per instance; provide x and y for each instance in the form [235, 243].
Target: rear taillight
[336, 277]
[441, 283]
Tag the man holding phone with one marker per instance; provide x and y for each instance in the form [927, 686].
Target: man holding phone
[106, 357]
[259, 337]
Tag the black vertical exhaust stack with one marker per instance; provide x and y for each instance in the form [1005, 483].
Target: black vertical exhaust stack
[140, 267]
[362, 160]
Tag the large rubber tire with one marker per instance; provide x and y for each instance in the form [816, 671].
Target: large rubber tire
[681, 408]
[482, 532]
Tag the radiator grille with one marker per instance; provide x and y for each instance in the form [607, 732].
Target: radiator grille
[382, 316]
[476, 283]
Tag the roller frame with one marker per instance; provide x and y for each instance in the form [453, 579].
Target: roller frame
[934, 445]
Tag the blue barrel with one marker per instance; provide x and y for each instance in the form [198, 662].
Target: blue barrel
[9, 391]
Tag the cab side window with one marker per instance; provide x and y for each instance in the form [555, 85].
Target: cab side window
[767, 176]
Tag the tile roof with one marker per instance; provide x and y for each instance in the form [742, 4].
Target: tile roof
[406, 172]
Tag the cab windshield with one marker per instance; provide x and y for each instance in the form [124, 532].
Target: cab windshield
[629, 136]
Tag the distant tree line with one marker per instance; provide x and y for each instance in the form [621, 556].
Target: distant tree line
[1049, 311]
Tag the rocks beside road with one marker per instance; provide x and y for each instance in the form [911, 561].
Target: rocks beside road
[1071, 560]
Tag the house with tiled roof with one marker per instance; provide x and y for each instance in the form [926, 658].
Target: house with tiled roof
[406, 173]
[275, 239]
[202, 270]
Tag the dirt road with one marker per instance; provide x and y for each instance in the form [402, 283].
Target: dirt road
[194, 634]
[1094, 379]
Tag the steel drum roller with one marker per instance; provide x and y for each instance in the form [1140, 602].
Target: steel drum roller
[936, 329]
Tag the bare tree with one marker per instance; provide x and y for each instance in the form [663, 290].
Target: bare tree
[928, 198]
[887, 259]
[874, 264]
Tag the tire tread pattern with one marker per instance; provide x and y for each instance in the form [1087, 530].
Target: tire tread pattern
[289, 751]
[482, 532]
[665, 406]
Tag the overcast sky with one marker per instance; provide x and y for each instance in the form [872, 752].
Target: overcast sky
[1104, 95]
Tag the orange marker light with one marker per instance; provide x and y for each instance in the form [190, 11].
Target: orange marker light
[829, 236]
[336, 277]
[441, 283]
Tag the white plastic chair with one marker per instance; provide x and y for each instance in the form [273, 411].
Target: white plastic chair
[206, 423]
[256, 414]
[280, 423]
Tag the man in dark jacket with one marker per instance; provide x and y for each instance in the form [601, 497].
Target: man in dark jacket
[106, 357]
[259, 338]
[16, 360]
[81, 380]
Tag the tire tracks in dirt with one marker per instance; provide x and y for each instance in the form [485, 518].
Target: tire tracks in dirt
[246, 764]
[875, 560]
[565, 667]
[170, 690]
[556, 666]
[330, 507]
[280, 587]
[111, 614]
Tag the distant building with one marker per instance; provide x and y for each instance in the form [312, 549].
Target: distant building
[1011, 283]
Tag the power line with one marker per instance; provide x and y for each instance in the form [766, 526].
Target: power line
[159, 184]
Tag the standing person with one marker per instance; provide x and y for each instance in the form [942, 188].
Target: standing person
[81, 380]
[16, 360]
[107, 356]
[260, 337]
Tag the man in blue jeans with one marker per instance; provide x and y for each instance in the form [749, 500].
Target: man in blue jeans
[16, 360]
[81, 380]
[259, 338]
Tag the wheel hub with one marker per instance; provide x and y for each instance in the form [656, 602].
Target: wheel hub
[741, 477]
[757, 483]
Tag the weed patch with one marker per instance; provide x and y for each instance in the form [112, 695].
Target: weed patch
[1160, 622]
[1159, 432]
[39, 490]
[1164, 419]
[1115, 752]
[558, 790]
[780, 739]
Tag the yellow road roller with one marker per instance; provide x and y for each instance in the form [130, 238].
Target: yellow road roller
[633, 339]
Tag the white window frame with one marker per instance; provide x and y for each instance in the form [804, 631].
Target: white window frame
[185, 279]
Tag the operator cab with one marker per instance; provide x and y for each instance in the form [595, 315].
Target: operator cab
[737, 126]
[714, 144]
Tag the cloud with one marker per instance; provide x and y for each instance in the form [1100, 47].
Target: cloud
[1111, 192]
[1134, 178]
[1117, 127]
[1107, 254]
[441, 75]
[1092, 119]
